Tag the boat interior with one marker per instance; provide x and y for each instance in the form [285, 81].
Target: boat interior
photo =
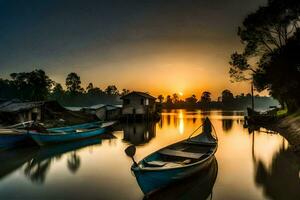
[177, 155]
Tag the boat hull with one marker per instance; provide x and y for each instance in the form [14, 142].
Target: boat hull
[74, 127]
[48, 139]
[198, 186]
[151, 181]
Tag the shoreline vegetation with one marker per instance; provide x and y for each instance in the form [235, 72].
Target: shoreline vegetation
[289, 127]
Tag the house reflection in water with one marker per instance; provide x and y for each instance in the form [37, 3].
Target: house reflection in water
[139, 133]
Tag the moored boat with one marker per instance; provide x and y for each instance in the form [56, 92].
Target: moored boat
[199, 186]
[175, 162]
[53, 137]
[89, 125]
[12, 137]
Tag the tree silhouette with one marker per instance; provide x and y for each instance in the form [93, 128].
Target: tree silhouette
[191, 101]
[89, 87]
[175, 98]
[33, 85]
[112, 90]
[57, 92]
[160, 98]
[205, 97]
[264, 33]
[73, 83]
[124, 92]
[283, 84]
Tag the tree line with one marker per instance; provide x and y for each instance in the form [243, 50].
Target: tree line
[271, 55]
[226, 101]
[38, 86]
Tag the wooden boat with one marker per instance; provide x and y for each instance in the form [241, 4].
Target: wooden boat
[261, 118]
[175, 162]
[89, 125]
[54, 137]
[199, 186]
[12, 137]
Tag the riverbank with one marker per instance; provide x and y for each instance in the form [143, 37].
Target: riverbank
[289, 128]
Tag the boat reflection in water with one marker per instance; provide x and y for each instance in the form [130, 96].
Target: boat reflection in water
[198, 186]
[138, 133]
[36, 169]
[13, 159]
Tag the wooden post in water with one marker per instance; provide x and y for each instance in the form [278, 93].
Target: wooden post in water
[252, 96]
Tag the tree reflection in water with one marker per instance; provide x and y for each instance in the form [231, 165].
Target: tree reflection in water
[73, 162]
[37, 168]
[36, 171]
[281, 180]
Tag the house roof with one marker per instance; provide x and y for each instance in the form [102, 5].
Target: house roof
[142, 94]
[15, 106]
[96, 107]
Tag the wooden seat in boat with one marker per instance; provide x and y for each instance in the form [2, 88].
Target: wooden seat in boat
[184, 154]
[155, 163]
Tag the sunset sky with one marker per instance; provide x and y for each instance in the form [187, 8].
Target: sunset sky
[159, 46]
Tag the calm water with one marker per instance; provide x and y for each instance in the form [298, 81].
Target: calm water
[248, 166]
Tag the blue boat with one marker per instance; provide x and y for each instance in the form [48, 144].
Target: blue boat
[175, 162]
[89, 125]
[12, 137]
[199, 186]
[55, 137]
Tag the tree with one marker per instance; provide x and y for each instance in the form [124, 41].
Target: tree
[33, 85]
[8, 90]
[57, 92]
[169, 101]
[175, 98]
[90, 87]
[205, 97]
[112, 90]
[227, 97]
[264, 33]
[73, 83]
[160, 98]
[125, 92]
[281, 74]
[191, 101]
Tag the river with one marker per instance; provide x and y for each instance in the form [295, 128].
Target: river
[249, 164]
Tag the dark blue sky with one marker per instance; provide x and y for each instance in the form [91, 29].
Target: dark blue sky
[114, 41]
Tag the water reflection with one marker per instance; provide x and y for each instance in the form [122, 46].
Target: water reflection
[139, 133]
[281, 179]
[36, 171]
[37, 168]
[227, 124]
[73, 162]
[14, 158]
